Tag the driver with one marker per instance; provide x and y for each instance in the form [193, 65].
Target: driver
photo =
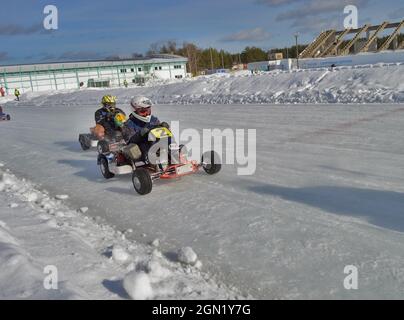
[140, 122]
[106, 115]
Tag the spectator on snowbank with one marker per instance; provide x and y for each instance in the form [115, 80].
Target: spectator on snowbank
[17, 94]
[2, 91]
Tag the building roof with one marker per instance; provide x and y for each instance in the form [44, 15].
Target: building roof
[154, 59]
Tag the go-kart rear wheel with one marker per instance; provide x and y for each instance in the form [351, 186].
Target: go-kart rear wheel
[211, 162]
[8, 117]
[105, 168]
[142, 181]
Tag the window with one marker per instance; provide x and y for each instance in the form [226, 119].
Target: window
[178, 66]
[123, 70]
[155, 68]
[178, 76]
[132, 70]
[139, 69]
[160, 68]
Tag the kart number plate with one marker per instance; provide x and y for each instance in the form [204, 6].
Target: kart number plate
[184, 169]
[162, 132]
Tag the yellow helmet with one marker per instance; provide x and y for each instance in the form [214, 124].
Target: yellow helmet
[119, 119]
[108, 100]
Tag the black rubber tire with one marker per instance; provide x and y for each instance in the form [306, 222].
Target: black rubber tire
[103, 146]
[83, 143]
[8, 117]
[142, 181]
[105, 168]
[214, 165]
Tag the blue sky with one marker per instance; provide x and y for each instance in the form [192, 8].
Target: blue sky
[97, 29]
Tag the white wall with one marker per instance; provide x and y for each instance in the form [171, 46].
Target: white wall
[284, 64]
[354, 60]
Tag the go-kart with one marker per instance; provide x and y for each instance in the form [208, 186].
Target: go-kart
[4, 117]
[90, 140]
[171, 163]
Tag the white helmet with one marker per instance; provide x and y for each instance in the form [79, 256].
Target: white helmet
[141, 108]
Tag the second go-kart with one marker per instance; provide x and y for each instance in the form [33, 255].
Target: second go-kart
[90, 140]
[115, 159]
[4, 116]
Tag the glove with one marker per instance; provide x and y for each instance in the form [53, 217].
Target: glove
[165, 125]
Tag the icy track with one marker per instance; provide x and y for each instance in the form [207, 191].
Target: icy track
[328, 192]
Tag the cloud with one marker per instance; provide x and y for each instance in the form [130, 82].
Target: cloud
[318, 7]
[14, 29]
[3, 56]
[257, 34]
[316, 15]
[315, 26]
[397, 14]
[71, 56]
[276, 2]
[79, 55]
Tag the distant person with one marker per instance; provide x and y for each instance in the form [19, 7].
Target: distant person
[125, 83]
[2, 92]
[17, 94]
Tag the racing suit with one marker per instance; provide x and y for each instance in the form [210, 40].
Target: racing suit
[105, 118]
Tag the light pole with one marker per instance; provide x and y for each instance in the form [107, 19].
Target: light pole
[211, 58]
[297, 50]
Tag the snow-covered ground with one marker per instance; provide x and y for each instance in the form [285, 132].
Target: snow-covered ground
[380, 83]
[328, 191]
[93, 260]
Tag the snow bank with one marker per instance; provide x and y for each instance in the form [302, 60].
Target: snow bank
[39, 230]
[379, 83]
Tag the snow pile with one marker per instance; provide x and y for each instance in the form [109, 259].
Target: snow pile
[38, 230]
[120, 255]
[187, 255]
[138, 286]
[380, 83]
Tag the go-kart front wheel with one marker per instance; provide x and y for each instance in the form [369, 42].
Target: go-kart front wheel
[104, 167]
[103, 146]
[83, 143]
[142, 181]
[211, 162]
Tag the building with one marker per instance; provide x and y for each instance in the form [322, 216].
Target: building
[214, 71]
[73, 75]
[275, 56]
[284, 64]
